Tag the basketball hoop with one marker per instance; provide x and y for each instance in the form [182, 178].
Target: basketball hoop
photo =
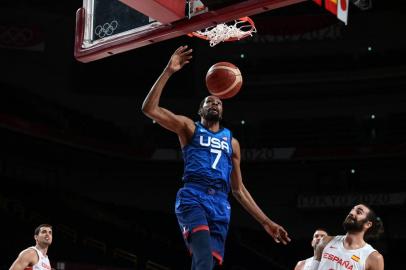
[242, 28]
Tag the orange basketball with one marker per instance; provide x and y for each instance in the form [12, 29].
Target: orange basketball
[223, 80]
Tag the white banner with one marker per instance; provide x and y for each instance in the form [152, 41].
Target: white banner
[247, 154]
[348, 200]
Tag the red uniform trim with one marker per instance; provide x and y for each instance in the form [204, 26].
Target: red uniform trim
[217, 256]
[200, 228]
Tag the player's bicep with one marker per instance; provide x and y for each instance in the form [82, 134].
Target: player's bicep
[236, 178]
[236, 151]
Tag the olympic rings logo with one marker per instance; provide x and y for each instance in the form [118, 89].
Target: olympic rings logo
[17, 36]
[107, 29]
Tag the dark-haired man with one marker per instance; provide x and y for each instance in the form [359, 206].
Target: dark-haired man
[35, 257]
[350, 251]
[212, 169]
[317, 237]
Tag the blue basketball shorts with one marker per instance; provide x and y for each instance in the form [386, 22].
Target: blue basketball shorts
[201, 208]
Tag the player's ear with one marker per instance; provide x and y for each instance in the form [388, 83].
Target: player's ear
[368, 224]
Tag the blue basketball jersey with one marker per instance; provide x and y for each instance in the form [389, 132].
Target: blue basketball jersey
[207, 158]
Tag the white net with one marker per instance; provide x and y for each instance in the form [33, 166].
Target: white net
[222, 32]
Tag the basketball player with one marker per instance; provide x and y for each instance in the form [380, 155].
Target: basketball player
[350, 251]
[212, 168]
[35, 257]
[317, 236]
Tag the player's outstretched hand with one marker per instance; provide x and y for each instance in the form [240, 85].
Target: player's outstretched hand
[277, 232]
[179, 58]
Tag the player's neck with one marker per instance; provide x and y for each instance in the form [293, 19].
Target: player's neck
[354, 240]
[211, 125]
[43, 250]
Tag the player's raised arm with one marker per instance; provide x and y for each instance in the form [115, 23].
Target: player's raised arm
[243, 196]
[150, 106]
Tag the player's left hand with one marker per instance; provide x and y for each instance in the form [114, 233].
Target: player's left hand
[278, 233]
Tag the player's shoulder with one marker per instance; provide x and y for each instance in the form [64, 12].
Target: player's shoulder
[27, 257]
[227, 129]
[300, 265]
[375, 256]
[187, 123]
[235, 142]
[187, 120]
[375, 261]
[29, 252]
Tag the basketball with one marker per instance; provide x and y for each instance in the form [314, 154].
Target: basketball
[223, 80]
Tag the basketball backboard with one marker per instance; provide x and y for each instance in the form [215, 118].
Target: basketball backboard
[109, 27]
